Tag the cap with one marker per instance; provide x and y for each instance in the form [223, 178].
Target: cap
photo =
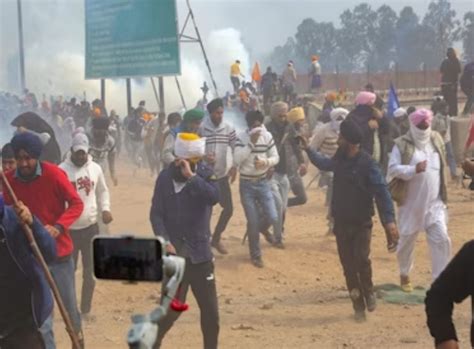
[80, 142]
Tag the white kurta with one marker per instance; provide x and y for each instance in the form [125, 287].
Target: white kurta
[423, 210]
[423, 205]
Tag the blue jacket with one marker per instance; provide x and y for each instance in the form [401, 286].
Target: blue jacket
[184, 218]
[17, 244]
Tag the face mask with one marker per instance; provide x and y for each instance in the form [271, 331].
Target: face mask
[420, 137]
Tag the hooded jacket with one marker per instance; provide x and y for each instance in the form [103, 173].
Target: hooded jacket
[89, 181]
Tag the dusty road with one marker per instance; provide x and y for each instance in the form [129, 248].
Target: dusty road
[297, 301]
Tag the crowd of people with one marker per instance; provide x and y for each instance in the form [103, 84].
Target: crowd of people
[59, 155]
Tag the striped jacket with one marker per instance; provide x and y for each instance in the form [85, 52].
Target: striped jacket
[246, 153]
[220, 140]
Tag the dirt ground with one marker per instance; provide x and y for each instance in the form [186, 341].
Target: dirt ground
[297, 301]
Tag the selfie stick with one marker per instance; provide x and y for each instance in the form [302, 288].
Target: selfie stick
[36, 251]
[144, 330]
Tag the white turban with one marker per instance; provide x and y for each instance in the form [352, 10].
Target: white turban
[189, 146]
[400, 112]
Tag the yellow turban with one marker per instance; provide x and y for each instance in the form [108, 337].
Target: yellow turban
[296, 114]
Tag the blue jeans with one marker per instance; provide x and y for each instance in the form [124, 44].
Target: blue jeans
[451, 159]
[280, 188]
[251, 193]
[63, 275]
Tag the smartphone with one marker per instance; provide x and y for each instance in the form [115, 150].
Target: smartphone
[128, 258]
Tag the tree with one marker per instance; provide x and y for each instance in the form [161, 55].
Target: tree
[316, 38]
[441, 29]
[383, 39]
[467, 36]
[356, 36]
[282, 54]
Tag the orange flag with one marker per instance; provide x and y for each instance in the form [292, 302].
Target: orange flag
[256, 76]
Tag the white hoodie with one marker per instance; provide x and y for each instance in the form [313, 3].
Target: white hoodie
[90, 184]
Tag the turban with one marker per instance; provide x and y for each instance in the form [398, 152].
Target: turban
[78, 130]
[278, 108]
[193, 115]
[7, 151]
[351, 132]
[253, 116]
[296, 114]
[421, 115]
[399, 112]
[101, 123]
[214, 104]
[338, 112]
[365, 98]
[189, 146]
[331, 96]
[28, 142]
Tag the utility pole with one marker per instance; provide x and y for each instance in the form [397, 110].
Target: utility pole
[21, 47]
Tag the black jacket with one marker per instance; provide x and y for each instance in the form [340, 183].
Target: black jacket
[454, 285]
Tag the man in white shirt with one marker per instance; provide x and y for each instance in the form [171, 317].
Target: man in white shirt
[89, 181]
[418, 162]
[255, 153]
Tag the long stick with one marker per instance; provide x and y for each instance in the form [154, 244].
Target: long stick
[44, 266]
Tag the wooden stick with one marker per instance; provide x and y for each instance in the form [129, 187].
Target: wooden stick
[36, 251]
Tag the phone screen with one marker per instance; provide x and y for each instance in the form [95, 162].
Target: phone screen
[127, 258]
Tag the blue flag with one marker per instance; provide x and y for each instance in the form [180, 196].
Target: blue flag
[393, 103]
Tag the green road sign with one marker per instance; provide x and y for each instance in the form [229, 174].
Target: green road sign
[131, 38]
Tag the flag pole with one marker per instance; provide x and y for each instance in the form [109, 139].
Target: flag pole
[39, 257]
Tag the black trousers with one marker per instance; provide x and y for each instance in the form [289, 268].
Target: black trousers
[353, 246]
[200, 277]
[24, 337]
[82, 240]
[225, 201]
[450, 95]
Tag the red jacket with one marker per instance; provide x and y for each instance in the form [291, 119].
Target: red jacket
[51, 198]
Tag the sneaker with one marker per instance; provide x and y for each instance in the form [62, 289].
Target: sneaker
[371, 302]
[392, 246]
[257, 262]
[405, 284]
[219, 247]
[269, 237]
[359, 316]
[279, 245]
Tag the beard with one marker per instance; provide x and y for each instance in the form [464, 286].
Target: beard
[177, 174]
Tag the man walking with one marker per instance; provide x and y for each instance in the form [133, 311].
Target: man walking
[102, 146]
[89, 181]
[450, 70]
[357, 181]
[181, 213]
[418, 163]
[255, 153]
[47, 192]
[220, 143]
[284, 136]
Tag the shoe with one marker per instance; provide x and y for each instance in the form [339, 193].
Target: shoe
[371, 302]
[405, 284]
[269, 237]
[279, 245]
[392, 247]
[219, 247]
[359, 316]
[257, 262]
[407, 287]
